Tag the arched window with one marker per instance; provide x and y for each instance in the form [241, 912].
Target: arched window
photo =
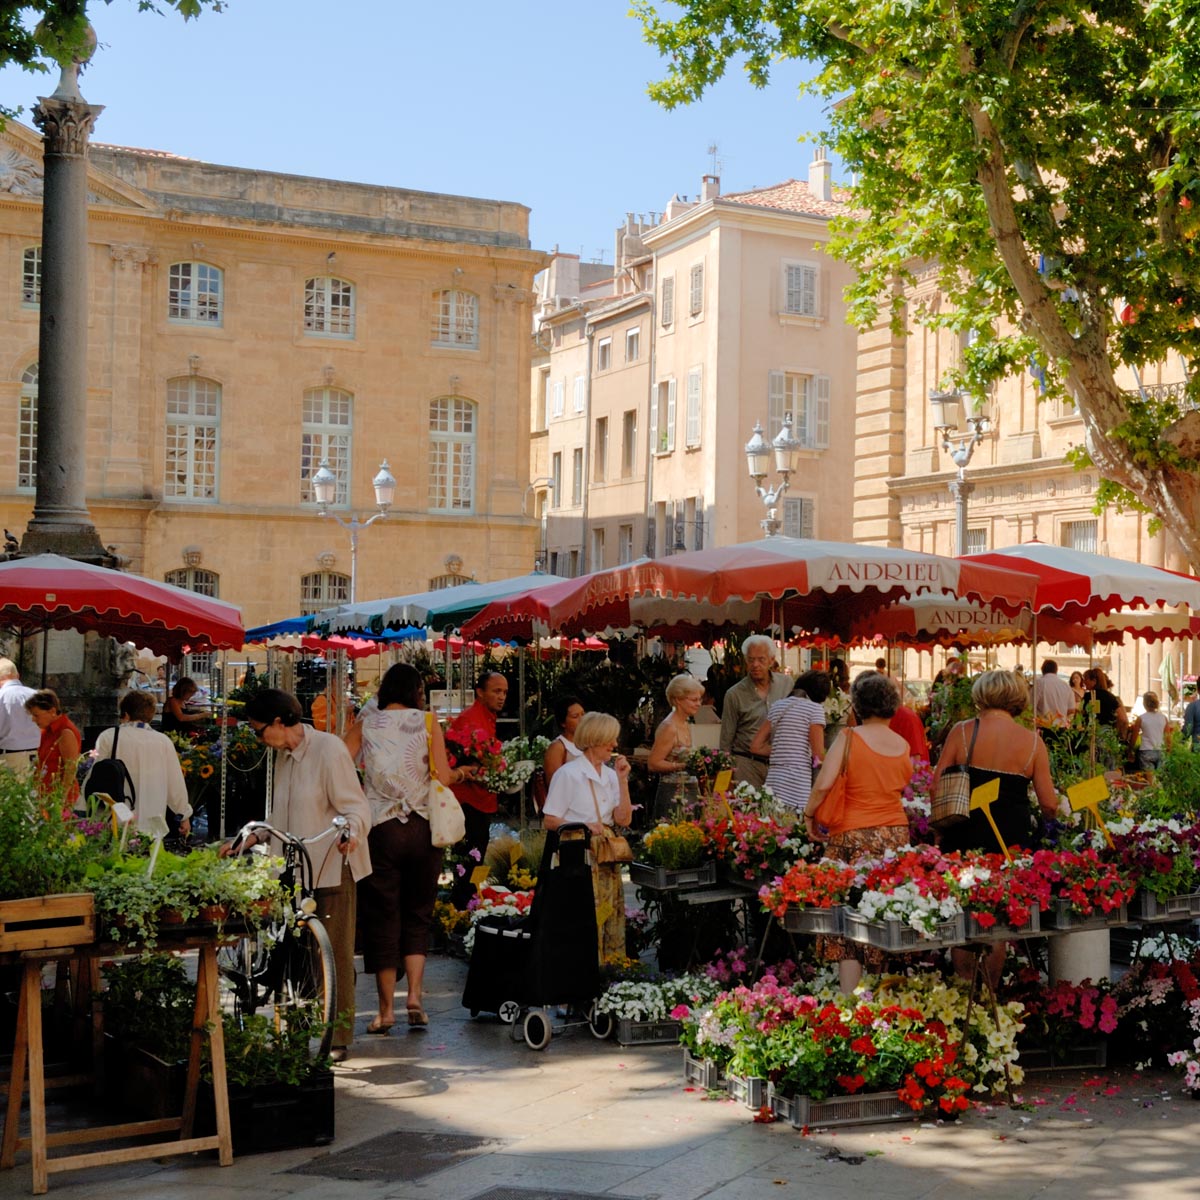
[193, 438]
[31, 277]
[329, 307]
[194, 293]
[328, 415]
[456, 319]
[451, 454]
[195, 579]
[323, 589]
[27, 429]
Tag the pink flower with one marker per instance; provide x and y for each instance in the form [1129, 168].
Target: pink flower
[680, 1012]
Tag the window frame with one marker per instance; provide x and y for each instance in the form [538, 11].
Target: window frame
[326, 296]
[663, 411]
[696, 290]
[694, 416]
[202, 276]
[813, 269]
[811, 409]
[324, 434]
[450, 329]
[322, 595]
[629, 436]
[633, 337]
[577, 474]
[196, 423]
[457, 474]
[600, 450]
[31, 277]
[200, 580]
[556, 479]
[1074, 524]
[604, 354]
[666, 303]
[27, 429]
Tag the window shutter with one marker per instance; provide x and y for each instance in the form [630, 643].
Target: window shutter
[808, 291]
[819, 425]
[776, 402]
[797, 517]
[667, 314]
[801, 417]
[670, 416]
[654, 403]
[693, 406]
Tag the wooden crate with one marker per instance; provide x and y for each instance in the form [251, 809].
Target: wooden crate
[40, 922]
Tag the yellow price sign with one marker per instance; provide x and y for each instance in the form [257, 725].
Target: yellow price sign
[722, 782]
[481, 875]
[1087, 796]
[982, 798]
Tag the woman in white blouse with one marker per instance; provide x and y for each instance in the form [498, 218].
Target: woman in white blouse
[589, 792]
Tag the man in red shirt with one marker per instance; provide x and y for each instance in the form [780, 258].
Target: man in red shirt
[478, 804]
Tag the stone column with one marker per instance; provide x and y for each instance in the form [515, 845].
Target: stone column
[61, 522]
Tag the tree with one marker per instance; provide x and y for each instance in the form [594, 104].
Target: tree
[57, 30]
[1042, 156]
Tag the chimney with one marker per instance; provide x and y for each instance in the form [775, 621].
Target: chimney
[710, 187]
[820, 175]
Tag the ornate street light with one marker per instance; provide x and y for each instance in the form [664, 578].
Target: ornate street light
[947, 409]
[786, 450]
[324, 486]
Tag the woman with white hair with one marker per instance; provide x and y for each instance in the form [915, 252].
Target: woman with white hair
[745, 708]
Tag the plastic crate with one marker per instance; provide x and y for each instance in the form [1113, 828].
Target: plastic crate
[1084, 1057]
[1059, 916]
[870, 1108]
[703, 1072]
[799, 919]
[896, 936]
[1146, 907]
[663, 880]
[647, 1033]
[1003, 933]
[750, 1090]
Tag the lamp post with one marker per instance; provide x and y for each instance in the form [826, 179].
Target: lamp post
[324, 486]
[758, 455]
[947, 417]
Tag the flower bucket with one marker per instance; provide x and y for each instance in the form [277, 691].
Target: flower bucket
[803, 919]
[703, 1072]
[750, 1090]
[663, 880]
[1146, 908]
[894, 935]
[869, 1108]
[647, 1033]
[1003, 933]
[1060, 916]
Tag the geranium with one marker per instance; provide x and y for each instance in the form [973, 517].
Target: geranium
[1063, 1015]
[994, 890]
[1155, 998]
[809, 885]
[1085, 880]
[932, 1085]
[753, 845]
[1188, 1059]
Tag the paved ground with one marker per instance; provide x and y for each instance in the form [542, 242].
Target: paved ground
[585, 1117]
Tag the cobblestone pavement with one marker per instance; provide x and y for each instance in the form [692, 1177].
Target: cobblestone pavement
[462, 1112]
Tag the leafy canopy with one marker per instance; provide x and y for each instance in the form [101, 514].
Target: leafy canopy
[1041, 158]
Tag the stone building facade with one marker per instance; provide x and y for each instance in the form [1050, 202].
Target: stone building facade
[244, 325]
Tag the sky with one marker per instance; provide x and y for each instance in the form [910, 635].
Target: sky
[534, 101]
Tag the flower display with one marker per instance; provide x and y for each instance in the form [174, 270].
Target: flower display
[909, 885]
[1087, 881]
[1162, 854]
[648, 1001]
[200, 758]
[753, 845]
[996, 891]
[495, 901]
[706, 763]
[809, 885]
[1063, 1015]
[917, 803]
[676, 846]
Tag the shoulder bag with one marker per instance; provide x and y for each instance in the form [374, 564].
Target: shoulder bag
[447, 824]
[832, 810]
[950, 804]
[608, 847]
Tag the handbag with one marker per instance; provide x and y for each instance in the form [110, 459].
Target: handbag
[950, 804]
[832, 810]
[608, 847]
[447, 825]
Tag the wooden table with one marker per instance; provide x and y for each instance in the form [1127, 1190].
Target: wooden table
[27, 1057]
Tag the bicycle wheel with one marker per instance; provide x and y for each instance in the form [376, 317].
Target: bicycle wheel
[307, 993]
[243, 964]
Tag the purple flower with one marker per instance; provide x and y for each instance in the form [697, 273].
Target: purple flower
[477, 856]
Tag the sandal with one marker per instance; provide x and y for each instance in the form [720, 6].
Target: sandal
[381, 1029]
[417, 1018]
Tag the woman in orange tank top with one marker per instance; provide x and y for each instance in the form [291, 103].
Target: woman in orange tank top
[878, 768]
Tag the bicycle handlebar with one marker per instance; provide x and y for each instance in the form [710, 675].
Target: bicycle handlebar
[339, 825]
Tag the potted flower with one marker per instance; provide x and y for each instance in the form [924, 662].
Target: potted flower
[1162, 855]
[906, 903]
[1088, 890]
[808, 897]
[1065, 1024]
[706, 763]
[642, 1009]
[1001, 899]
[672, 856]
[755, 847]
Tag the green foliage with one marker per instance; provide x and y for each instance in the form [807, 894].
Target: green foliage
[676, 847]
[1177, 784]
[258, 1052]
[1041, 163]
[149, 1002]
[39, 847]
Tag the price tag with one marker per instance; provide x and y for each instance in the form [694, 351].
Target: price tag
[722, 782]
[481, 875]
[982, 798]
[1087, 796]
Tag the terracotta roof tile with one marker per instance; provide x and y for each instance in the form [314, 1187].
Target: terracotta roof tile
[793, 195]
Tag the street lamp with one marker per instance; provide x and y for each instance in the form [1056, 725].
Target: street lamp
[758, 456]
[947, 410]
[324, 486]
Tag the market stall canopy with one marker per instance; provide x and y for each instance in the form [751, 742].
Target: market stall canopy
[439, 610]
[48, 591]
[288, 635]
[821, 588]
[1077, 585]
[1151, 625]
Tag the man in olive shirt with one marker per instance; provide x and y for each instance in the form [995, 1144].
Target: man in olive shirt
[745, 708]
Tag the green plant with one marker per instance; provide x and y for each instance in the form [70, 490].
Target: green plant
[257, 1052]
[675, 847]
[149, 1002]
[1178, 782]
[40, 850]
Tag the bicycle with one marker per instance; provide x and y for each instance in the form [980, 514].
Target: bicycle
[289, 964]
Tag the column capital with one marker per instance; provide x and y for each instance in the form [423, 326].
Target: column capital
[66, 125]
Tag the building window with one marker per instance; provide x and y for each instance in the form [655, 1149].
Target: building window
[600, 451]
[798, 517]
[695, 393]
[976, 541]
[27, 408]
[628, 443]
[558, 404]
[323, 589]
[327, 415]
[662, 417]
[195, 579]
[31, 277]
[577, 476]
[194, 293]
[667, 304]
[604, 354]
[456, 319]
[696, 290]
[633, 344]
[624, 544]
[806, 397]
[448, 580]
[193, 438]
[579, 394]
[596, 561]
[542, 415]
[552, 562]
[1080, 535]
[556, 479]
[329, 307]
[800, 289]
[451, 455]
[572, 563]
